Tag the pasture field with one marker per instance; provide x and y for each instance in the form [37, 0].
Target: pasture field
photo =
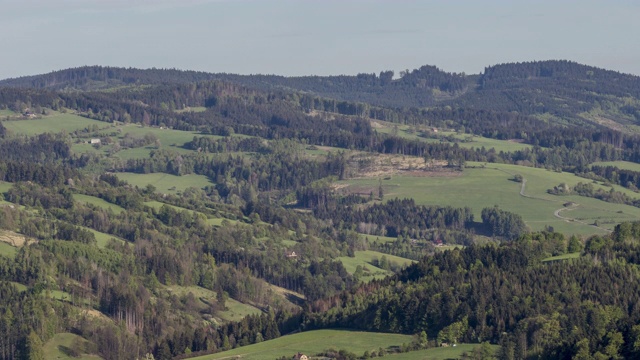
[7, 249]
[167, 137]
[313, 342]
[96, 201]
[235, 309]
[5, 186]
[7, 112]
[211, 221]
[366, 259]
[371, 272]
[480, 186]
[466, 140]
[439, 353]
[53, 123]
[170, 139]
[165, 183]
[103, 239]
[60, 348]
[626, 165]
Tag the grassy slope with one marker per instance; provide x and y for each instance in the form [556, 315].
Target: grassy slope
[163, 182]
[103, 239]
[626, 165]
[313, 342]
[440, 353]
[97, 202]
[476, 141]
[365, 259]
[55, 122]
[7, 112]
[4, 187]
[56, 348]
[235, 309]
[484, 187]
[7, 250]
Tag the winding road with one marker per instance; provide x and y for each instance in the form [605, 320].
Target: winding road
[556, 213]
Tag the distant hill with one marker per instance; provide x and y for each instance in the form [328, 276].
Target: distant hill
[89, 78]
[559, 91]
[421, 87]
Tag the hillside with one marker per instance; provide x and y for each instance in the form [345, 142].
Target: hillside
[563, 92]
[177, 213]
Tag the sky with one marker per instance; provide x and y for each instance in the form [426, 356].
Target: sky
[300, 37]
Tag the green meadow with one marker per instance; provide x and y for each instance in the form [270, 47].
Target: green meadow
[96, 201]
[626, 165]
[313, 342]
[7, 249]
[465, 140]
[235, 311]
[480, 186]
[367, 258]
[53, 123]
[7, 112]
[439, 353]
[103, 239]
[4, 187]
[165, 183]
[61, 346]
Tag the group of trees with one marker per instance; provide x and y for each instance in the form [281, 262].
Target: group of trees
[505, 294]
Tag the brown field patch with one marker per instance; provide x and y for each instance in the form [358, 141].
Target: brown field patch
[382, 165]
[14, 239]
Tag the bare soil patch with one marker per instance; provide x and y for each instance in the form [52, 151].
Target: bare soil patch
[372, 166]
[14, 239]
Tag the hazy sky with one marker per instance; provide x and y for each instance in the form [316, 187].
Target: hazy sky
[314, 37]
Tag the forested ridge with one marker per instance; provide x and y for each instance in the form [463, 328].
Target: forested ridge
[260, 231]
[506, 295]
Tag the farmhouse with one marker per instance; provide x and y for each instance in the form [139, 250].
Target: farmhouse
[291, 254]
[300, 356]
[28, 114]
[94, 141]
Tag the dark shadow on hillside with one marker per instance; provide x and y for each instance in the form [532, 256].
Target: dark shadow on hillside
[69, 351]
[297, 300]
[480, 229]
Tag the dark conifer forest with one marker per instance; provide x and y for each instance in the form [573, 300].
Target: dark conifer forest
[168, 214]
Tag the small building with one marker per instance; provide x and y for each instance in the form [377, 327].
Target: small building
[28, 114]
[94, 141]
[291, 254]
[300, 356]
